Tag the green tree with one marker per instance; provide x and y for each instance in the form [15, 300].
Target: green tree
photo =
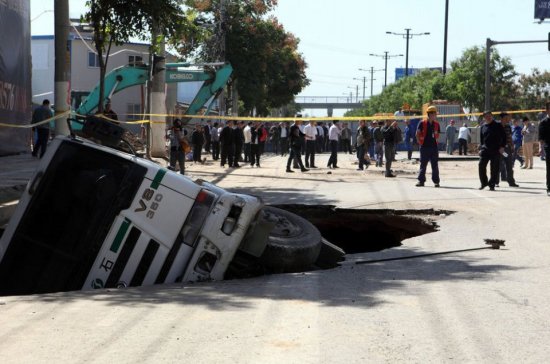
[414, 90]
[534, 89]
[116, 21]
[267, 66]
[466, 81]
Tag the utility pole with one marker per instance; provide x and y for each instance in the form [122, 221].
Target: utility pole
[221, 29]
[158, 96]
[364, 84]
[445, 37]
[407, 35]
[372, 70]
[386, 56]
[62, 64]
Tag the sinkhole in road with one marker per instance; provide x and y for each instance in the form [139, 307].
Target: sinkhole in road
[368, 230]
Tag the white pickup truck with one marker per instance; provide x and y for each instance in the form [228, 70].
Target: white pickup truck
[95, 217]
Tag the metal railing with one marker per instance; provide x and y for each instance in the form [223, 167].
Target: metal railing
[325, 100]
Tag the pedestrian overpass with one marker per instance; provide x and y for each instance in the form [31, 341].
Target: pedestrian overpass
[328, 103]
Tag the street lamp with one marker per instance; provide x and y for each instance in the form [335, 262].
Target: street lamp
[408, 35]
[372, 70]
[386, 56]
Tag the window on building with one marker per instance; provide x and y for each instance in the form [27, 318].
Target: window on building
[93, 60]
[133, 111]
[135, 60]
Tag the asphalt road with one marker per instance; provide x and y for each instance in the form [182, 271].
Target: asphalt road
[481, 306]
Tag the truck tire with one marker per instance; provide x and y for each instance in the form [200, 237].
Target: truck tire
[293, 244]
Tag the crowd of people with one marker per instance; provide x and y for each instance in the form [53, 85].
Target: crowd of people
[235, 143]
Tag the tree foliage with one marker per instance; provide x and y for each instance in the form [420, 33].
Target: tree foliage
[413, 90]
[116, 21]
[465, 83]
[534, 89]
[266, 63]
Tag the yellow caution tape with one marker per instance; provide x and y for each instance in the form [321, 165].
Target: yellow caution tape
[256, 118]
[45, 121]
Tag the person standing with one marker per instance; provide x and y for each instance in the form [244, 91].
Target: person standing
[463, 137]
[43, 130]
[379, 144]
[177, 153]
[517, 138]
[363, 141]
[544, 136]
[247, 136]
[529, 139]
[346, 139]
[295, 139]
[507, 160]
[333, 135]
[427, 135]
[491, 145]
[255, 151]
[197, 139]
[215, 141]
[310, 132]
[284, 138]
[409, 138]
[275, 135]
[207, 131]
[389, 135]
[450, 136]
[262, 136]
[319, 138]
[238, 134]
[227, 141]
[326, 142]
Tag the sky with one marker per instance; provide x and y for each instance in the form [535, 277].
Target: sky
[337, 36]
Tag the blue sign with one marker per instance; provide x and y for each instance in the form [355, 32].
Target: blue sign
[400, 72]
[542, 9]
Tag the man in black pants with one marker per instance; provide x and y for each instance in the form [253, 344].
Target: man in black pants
[544, 136]
[491, 145]
[238, 136]
[227, 142]
[207, 138]
[507, 160]
[295, 139]
[43, 130]
[310, 132]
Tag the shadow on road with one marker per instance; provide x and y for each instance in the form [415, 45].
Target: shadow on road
[349, 285]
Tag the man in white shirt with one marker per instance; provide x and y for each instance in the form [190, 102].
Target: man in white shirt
[310, 131]
[333, 134]
[463, 136]
[247, 137]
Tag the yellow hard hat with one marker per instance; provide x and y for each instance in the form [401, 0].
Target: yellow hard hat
[431, 109]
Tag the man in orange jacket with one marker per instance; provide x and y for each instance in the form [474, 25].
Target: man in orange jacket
[427, 135]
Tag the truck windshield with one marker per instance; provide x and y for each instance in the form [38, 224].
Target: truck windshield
[69, 215]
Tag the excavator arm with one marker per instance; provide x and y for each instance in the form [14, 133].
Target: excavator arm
[127, 76]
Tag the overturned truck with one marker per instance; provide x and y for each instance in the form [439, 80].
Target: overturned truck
[96, 217]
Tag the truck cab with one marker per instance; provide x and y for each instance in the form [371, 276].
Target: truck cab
[95, 217]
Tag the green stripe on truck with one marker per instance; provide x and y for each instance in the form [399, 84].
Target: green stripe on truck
[159, 176]
[120, 235]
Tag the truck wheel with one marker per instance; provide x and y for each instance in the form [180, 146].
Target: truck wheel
[293, 244]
